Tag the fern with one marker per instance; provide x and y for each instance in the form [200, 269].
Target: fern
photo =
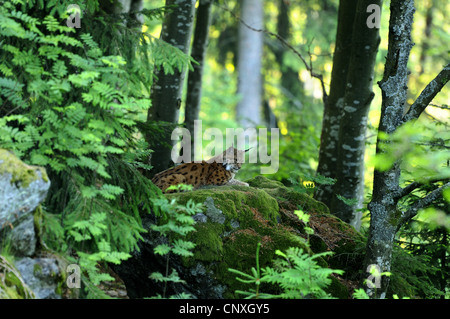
[299, 275]
[178, 222]
[71, 101]
[168, 57]
[295, 272]
[5, 69]
[12, 91]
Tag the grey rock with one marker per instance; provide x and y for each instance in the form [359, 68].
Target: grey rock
[22, 189]
[234, 223]
[200, 218]
[23, 238]
[18, 200]
[41, 275]
[215, 214]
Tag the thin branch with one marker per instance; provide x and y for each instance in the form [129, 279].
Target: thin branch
[444, 107]
[435, 119]
[440, 143]
[414, 185]
[406, 190]
[423, 202]
[288, 45]
[428, 94]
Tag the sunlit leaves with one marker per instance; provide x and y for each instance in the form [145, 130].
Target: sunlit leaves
[422, 150]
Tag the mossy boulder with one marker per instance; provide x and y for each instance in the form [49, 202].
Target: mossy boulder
[22, 188]
[26, 273]
[234, 220]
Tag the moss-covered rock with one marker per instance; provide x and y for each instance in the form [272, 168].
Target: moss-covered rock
[26, 273]
[22, 188]
[234, 220]
[21, 173]
[12, 285]
[237, 218]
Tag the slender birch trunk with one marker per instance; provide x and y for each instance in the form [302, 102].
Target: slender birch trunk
[248, 110]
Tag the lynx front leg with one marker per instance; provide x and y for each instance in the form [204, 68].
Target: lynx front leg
[236, 182]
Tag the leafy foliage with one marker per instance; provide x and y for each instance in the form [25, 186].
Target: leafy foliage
[174, 227]
[71, 101]
[422, 149]
[299, 275]
[420, 265]
[296, 272]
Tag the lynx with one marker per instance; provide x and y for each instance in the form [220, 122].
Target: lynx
[218, 170]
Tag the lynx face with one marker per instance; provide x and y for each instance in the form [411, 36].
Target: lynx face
[233, 159]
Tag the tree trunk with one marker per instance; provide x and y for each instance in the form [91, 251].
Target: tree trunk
[334, 105]
[248, 110]
[353, 124]
[167, 88]
[199, 45]
[386, 217]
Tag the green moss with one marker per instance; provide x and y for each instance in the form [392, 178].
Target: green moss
[263, 182]
[251, 209]
[12, 285]
[234, 201]
[22, 174]
[238, 218]
[209, 243]
[282, 193]
[337, 289]
[37, 269]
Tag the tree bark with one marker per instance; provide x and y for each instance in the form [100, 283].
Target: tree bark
[385, 218]
[334, 104]
[199, 45]
[353, 123]
[248, 110]
[167, 88]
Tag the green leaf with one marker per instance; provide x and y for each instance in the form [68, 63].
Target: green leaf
[162, 249]
[347, 201]
[302, 216]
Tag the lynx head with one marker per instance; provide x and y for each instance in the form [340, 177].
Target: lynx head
[233, 159]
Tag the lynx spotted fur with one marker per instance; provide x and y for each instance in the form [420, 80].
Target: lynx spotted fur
[219, 170]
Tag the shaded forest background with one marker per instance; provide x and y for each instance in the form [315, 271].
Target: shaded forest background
[89, 104]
